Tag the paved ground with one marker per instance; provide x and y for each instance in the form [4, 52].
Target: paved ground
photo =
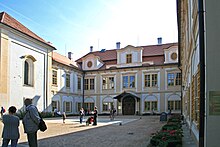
[129, 131]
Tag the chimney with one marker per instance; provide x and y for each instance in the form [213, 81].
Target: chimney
[70, 55]
[118, 45]
[159, 40]
[91, 48]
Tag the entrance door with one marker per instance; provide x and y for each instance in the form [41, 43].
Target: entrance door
[128, 106]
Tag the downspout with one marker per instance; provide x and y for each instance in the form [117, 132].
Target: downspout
[45, 83]
[46, 90]
[202, 73]
[181, 96]
[179, 51]
[83, 88]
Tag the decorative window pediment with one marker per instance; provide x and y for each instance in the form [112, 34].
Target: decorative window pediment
[30, 57]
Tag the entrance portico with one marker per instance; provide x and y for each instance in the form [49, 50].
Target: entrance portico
[130, 103]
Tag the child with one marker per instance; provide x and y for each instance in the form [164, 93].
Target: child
[64, 117]
[10, 130]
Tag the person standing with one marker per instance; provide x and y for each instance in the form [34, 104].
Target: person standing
[81, 114]
[95, 113]
[2, 111]
[10, 129]
[111, 114]
[31, 121]
[64, 117]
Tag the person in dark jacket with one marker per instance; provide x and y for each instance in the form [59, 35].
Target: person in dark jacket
[10, 129]
[95, 113]
[31, 121]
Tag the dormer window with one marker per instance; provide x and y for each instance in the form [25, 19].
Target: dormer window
[129, 58]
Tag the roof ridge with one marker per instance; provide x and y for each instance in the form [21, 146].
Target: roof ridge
[11, 22]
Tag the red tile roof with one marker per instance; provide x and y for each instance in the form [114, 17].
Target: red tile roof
[154, 50]
[158, 60]
[104, 56]
[151, 50]
[13, 23]
[64, 60]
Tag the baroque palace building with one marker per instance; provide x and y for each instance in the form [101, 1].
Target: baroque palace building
[198, 27]
[132, 79]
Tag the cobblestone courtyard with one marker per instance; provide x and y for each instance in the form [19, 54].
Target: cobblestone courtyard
[123, 131]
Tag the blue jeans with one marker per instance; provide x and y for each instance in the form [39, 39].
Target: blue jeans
[6, 141]
[32, 139]
[81, 119]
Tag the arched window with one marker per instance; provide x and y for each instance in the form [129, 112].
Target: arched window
[29, 70]
[26, 71]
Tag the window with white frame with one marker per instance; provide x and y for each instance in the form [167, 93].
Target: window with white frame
[54, 77]
[173, 79]
[174, 104]
[108, 83]
[129, 58]
[55, 105]
[79, 83]
[106, 106]
[129, 81]
[89, 106]
[67, 107]
[196, 97]
[79, 106]
[150, 80]
[178, 79]
[29, 72]
[67, 80]
[150, 106]
[89, 84]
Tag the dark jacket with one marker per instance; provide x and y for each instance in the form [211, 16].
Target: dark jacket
[10, 130]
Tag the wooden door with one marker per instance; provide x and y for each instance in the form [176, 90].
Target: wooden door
[128, 106]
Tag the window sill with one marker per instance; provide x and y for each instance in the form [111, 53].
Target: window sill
[129, 88]
[152, 87]
[25, 85]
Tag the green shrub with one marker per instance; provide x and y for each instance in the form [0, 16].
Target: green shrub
[46, 114]
[170, 134]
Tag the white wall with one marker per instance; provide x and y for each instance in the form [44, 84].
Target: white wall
[212, 60]
[17, 91]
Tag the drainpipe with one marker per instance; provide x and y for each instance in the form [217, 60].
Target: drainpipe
[181, 95]
[179, 46]
[83, 88]
[202, 73]
[46, 100]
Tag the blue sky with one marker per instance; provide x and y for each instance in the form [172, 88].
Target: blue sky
[75, 25]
